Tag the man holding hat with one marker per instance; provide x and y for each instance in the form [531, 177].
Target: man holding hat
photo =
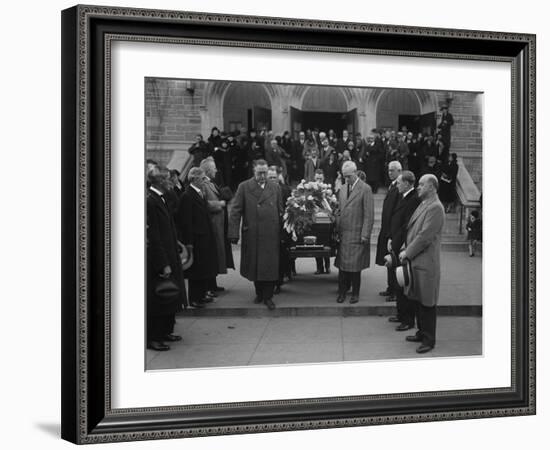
[422, 251]
[407, 204]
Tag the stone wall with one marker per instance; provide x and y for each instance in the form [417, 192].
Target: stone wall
[175, 114]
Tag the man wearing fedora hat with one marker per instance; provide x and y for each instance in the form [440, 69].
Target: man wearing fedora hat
[407, 204]
[422, 250]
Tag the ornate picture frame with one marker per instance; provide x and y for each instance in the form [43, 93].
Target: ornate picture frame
[87, 35]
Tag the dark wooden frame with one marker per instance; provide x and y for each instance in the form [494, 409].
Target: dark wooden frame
[87, 31]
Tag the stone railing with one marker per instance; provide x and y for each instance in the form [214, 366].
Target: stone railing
[467, 193]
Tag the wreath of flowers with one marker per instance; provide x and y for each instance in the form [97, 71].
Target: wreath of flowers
[306, 200]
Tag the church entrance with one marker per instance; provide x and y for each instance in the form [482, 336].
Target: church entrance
[323, 108]
[399, 110]
[246, 105]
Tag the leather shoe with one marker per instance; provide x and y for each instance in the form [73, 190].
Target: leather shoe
[219, 289]
[424, 348]
[413, 338]
[270, 305]
[385, 293]
[157, 346]
[171, 338]
[403, 327]
[196, 305]
[258, 300]
[277, 290]
[207, 299]
[354, 299]
[211, 294]
[341, 298]
[318, 272]
[393, 319]
[391, 298]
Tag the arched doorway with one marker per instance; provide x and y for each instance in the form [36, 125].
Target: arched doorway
[324, 108]
[246, 105]
[401, 109]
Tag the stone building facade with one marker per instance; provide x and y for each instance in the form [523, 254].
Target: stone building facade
[177, 110]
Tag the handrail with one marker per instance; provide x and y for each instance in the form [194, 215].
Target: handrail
[466, 191]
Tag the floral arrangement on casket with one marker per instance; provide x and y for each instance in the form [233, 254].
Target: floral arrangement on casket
[309, 200]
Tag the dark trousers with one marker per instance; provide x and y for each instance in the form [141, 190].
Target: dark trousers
[211, 284]
[406, 309]
[159, 326]
[264, 289]
[347, 280]
[197, 290]
[392, 280]
[320, 261]
[426, 319]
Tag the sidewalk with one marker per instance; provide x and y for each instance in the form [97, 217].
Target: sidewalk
[240, 341]
[308, 294]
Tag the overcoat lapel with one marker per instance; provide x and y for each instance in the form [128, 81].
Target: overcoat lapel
[418, 212]
[200, 201]
[354, 192]
[266, 192]
[162, 205]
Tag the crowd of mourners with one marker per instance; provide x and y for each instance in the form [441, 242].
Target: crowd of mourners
[299, 158]
[236, 189]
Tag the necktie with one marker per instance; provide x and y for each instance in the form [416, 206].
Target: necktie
[349, 189]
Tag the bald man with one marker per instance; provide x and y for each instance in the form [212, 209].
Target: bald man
[422, 250]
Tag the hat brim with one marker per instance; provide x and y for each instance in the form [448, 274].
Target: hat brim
[403, 274]
[186, 258]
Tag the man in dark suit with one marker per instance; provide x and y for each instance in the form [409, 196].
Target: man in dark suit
[163, 262]
[388, 207]
[259, 204]
[407, 204]
[196, 233]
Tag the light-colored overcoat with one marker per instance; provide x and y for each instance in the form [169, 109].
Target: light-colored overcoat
[261, 211]
[354, 220]
[423, 248]
[217, 217]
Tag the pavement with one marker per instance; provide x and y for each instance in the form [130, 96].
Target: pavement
[246, 341]
[309, 326]
[308, 294]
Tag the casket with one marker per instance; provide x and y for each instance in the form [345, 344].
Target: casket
[318, 241]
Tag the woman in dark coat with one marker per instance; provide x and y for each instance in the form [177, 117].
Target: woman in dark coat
[214, 141]
[372, 159]
[224, 157]
[447, 182]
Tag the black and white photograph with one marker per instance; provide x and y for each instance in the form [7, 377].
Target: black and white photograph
[300, 224]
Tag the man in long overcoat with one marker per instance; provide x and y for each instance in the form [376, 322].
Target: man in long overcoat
[196, 233]
[354, 221]
[163, 261]
[422, 250]
[388, 207]
[258, 203]
[217, 211]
